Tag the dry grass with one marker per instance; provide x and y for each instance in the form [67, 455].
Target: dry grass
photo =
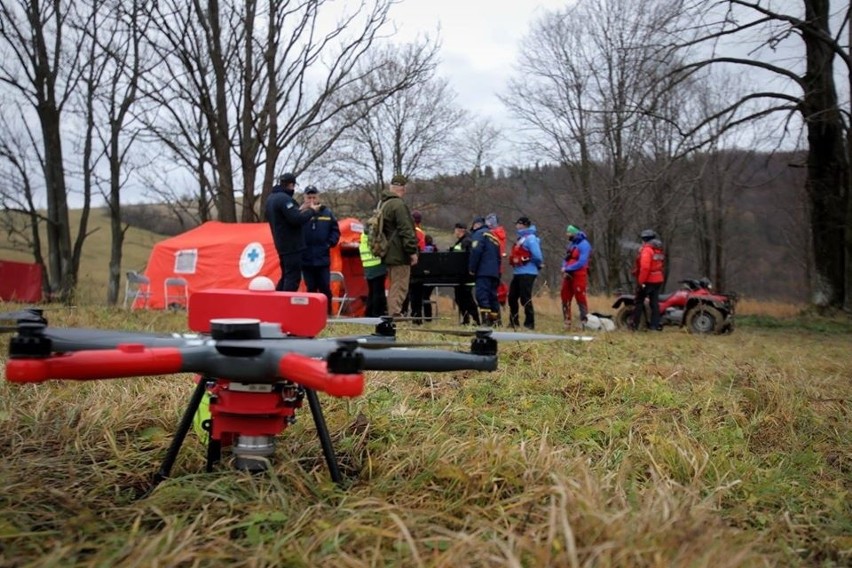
[633, 450]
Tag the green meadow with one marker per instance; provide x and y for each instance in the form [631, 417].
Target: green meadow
[662, 449]
[659, 450]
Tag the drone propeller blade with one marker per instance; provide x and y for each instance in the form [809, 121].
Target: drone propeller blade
[507, 335]
[364, 321]
[392, 344]
[375, 320]
[427, 360]
[518, 336]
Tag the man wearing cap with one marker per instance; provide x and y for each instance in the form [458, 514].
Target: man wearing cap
[484, 265]
[575, 274]
[526, 260]
[402, 253]
[649, 271]
[321, 233]
[286, 218]
[464, 292]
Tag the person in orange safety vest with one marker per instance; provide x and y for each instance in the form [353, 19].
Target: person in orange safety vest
[649, 272]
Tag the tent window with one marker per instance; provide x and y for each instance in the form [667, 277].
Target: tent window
[185, 261]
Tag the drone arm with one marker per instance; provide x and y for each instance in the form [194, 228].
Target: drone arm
[129, 360]
[313, 374]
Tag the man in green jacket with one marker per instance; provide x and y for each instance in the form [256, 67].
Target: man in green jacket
[398, 227]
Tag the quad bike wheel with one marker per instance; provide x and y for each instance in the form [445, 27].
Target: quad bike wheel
[624, 318]
[704, 319]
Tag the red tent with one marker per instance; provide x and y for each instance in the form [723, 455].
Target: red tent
[20, 281]
[230, 255]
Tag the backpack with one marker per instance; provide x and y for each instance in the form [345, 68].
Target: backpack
[519, 255]
[376, 238]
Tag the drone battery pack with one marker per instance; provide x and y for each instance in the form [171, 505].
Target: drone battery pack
[300, 314]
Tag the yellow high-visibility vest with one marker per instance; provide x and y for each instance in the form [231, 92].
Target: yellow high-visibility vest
[367, 258]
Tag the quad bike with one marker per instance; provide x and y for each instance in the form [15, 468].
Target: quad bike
[695, 305]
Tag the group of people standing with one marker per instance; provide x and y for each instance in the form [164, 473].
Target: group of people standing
[304, 233]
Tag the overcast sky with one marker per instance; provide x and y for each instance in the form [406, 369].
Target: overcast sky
[479, 41]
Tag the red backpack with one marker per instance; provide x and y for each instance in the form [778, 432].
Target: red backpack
[519, 255]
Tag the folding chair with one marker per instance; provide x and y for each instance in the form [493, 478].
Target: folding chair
[137, 287]
[175, 293]
[338, 293]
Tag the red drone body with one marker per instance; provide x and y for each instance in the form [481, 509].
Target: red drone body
[255, 356]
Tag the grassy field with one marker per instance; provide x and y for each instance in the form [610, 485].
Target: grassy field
[662, 449]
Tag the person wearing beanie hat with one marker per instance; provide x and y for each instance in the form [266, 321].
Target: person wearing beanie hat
[403, 250]
[526, 260]
[286, 218]
[575, 275]
[649, 272]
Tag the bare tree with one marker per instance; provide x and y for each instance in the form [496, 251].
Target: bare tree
[476, 148]
[273, 82]
[113, 69]
[410, 132]
[40, 60]
[827, 124]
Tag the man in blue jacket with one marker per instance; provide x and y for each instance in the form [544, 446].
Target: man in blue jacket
[286, 218]
[484, 264]
[321, 233]
[526, 261]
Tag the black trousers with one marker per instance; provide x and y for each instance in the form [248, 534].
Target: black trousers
[416, 294]
[317, 279]
[291, 273]
[652, 292]
[377, 302]
[467, 306]
[520, 290]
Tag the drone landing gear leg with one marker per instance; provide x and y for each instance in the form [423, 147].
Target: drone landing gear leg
[214, 454]
[180, 434]
[325, 439]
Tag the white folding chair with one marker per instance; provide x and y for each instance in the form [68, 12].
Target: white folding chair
[136, 287]
[175, 293]
[340, 295]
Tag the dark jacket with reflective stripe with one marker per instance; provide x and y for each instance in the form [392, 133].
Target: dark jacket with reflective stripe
[321, 233]
[484, 253]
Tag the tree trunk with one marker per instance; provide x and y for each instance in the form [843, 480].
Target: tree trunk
[62, 277]
[827, 179]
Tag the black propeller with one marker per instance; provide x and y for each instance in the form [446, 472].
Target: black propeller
[506, 335]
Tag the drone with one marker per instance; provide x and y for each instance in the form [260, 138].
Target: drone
[256, 357]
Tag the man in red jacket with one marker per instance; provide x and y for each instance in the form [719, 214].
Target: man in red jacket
[649, 273]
